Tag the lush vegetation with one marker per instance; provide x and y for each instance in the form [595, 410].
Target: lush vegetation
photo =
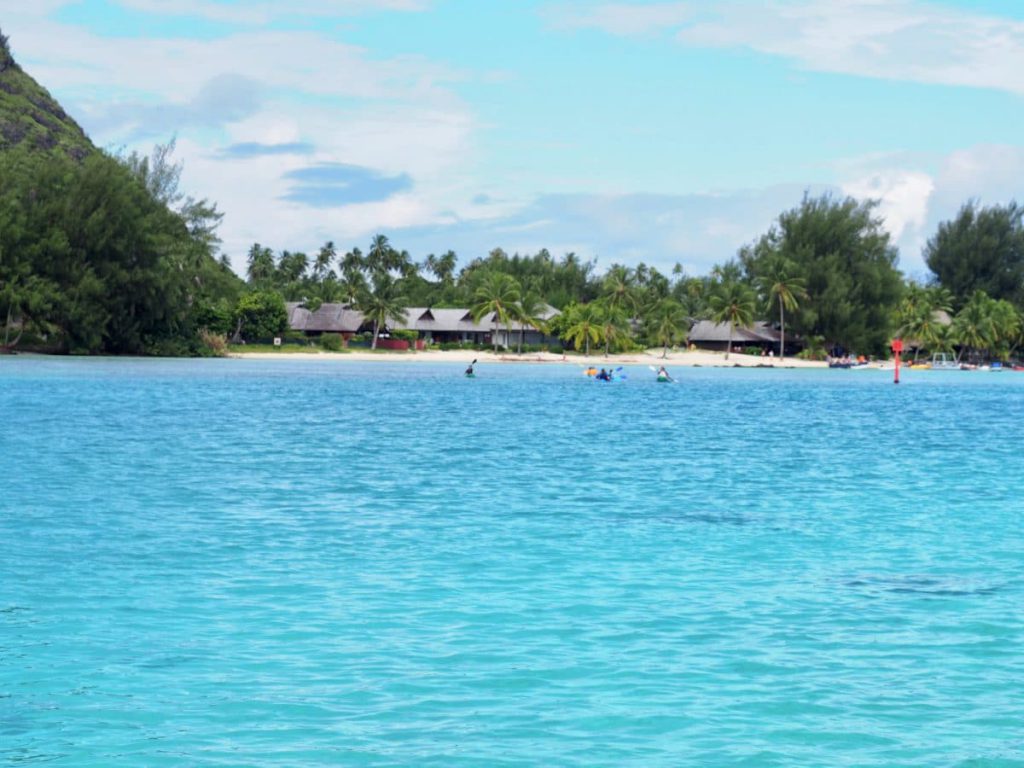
[103, 253]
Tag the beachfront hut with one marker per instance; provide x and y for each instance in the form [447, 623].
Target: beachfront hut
[437, 326]
[715, 336]
[509, 338]
[327, 318]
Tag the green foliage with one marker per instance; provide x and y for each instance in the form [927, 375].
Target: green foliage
[848, 265]
[216, 344]
[89, 254]
[403, 334]
[496, 295]
[332, 342]
[981, 249]
[733, 303]
[31, 119]
[260, 315]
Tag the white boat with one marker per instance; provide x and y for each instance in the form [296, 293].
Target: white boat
[943, 362]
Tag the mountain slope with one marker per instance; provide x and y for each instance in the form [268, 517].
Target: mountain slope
[31, 117]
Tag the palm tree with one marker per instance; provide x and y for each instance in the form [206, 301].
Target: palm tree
[613, 322]
[732, 303]
[496, 294]
[973, 326]
[778, 283]
[923, 326]
[528, 313]
[669, 318]
[323, 261]
[619, 296]
[382, 304]
[583, 326]
[261, 267]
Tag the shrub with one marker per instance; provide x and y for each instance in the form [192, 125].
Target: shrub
[755, 351]
[332, 342]
[216, 344]
[262, 315]
[405, 335]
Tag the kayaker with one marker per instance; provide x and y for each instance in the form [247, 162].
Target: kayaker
[663, 374]
[603, 375]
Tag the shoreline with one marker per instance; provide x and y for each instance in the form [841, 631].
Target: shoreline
[695, 359]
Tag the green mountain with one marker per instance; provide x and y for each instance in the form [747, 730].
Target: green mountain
[30, 117]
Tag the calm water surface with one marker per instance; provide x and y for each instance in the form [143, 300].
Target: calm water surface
[281, 563]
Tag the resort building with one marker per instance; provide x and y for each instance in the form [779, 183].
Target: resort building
[434, 326]
[327, 318]
[715, 336]
[440, 326]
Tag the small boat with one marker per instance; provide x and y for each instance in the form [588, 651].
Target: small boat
[943, 362]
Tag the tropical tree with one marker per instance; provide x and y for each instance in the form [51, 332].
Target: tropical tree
[669, 319]
[982, 248]
[324, 259]
[496, 295]
[260, 266]
[528, 312]
[381, 305]
[583, 326]
[260, 315]
[844, 253]
[619, 289]
[780, 284]
[614, 323]
[732, 303]
[973, 326]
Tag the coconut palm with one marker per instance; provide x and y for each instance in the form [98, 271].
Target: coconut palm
[382, 304]
[732, 303]
[260, 268]
[496, 294]
[323, 261]
[528, 313]
[780, 284]
[923, 326]
[668, 319]
[614, 324]
[973, 325]
[583, 326]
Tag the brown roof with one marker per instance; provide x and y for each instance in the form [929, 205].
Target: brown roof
[758, 333]
[328, 318]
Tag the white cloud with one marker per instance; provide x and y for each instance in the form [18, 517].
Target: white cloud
[623, 18]
[887, 39]
[258, 13]
[396, 115]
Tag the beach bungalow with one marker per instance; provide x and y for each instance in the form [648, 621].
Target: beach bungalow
[327, 318]
[437, 326]
[530, 336]
[715, 336]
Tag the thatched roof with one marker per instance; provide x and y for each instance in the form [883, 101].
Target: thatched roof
[707, 331]
[328, 318]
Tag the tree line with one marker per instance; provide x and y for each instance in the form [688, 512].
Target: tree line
[108, 255]
[825, 272]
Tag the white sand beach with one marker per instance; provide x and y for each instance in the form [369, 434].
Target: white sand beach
[700, 358]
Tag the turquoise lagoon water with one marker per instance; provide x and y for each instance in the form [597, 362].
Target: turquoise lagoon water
[290, 563]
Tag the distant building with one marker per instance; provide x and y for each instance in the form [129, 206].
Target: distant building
[437, 326]
[706, 334]
[434, 325]
[327, 318]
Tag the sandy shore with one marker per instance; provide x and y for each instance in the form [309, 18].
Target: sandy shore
[651, 357]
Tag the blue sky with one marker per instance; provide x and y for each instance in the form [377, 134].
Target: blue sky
[626, 131]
